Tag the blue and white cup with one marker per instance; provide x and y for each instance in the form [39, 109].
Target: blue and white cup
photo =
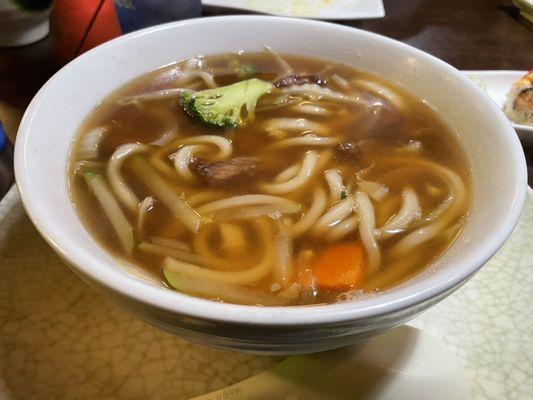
[138, 14]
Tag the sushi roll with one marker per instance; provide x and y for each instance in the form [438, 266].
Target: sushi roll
[519, 105]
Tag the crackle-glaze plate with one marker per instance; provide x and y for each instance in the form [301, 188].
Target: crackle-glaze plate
[60, 339]
[317, 9]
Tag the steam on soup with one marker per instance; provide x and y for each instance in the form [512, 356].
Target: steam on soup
[257, 178]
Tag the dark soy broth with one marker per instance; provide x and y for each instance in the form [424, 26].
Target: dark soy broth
[339, 184]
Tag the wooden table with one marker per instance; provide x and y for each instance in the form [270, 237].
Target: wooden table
[468, 34]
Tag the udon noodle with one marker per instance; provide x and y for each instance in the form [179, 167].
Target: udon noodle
[335, 184]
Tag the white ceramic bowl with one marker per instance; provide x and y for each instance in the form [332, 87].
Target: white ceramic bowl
[493, 150]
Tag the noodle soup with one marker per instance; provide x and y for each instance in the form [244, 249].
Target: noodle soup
[268, 179]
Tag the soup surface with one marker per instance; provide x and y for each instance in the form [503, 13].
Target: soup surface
[307, 182]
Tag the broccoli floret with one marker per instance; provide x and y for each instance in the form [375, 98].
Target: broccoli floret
[223, 106]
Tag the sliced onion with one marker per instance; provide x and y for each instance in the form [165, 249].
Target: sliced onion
[286, 68]
[151, 96]
[340, 81]
[90, 143]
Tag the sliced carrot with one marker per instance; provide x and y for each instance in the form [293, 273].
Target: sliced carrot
[340, 266]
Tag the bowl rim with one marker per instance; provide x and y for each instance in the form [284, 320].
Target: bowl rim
[182, 304]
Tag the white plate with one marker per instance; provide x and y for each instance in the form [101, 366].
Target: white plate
[317, 9]
[496, 84]
[60, 339]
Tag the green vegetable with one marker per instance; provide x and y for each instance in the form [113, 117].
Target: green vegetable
[242, 70]
[344, 194]
[90, 174]
[247, 70]
[223, 106]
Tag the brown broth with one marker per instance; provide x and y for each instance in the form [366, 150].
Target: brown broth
[377, 143]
